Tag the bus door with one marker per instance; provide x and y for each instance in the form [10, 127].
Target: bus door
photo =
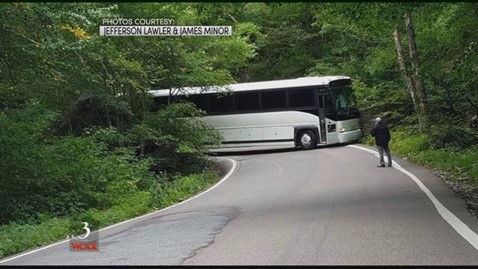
[323, 130]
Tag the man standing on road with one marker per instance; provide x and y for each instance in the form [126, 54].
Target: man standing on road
[382, 137]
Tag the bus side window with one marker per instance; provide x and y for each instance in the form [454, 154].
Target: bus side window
[200, 100]
[301, 97]
[180, 99]
[221, 104]
[160, 102]
[273, 99]
[329, 106]
[247, 101]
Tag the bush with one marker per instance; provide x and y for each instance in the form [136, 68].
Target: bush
[45, 176]
[179, 188]
[455, 157]
[15, 237]
[60, 176]
[22, 131]
[179, 137]
[408, 142]
[451, 136]
[460, 163]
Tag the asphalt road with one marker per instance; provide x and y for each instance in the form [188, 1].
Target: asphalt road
[328, 206]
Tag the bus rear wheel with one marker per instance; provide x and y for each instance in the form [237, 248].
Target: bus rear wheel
[307, 139]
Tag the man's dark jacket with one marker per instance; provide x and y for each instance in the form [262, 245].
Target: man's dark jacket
[381, 134]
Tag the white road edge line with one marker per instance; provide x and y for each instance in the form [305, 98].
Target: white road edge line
[234, 167]
[460, 227]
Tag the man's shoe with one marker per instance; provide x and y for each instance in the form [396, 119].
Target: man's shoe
[389, 165]
[381, 165]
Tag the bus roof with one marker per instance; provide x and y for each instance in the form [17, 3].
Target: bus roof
[251, 86]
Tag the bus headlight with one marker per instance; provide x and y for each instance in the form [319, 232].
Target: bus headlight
[341, 130]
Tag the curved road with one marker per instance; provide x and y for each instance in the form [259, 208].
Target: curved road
[329, 206]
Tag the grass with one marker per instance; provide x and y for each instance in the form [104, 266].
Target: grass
[460, 164]
[16, 237]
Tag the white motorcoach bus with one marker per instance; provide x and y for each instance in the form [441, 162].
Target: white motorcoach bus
[303, 112]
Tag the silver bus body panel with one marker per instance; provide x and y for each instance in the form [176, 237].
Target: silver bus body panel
[273, 128]
[276, 129]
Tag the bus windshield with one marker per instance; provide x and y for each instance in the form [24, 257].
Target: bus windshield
[344, 99]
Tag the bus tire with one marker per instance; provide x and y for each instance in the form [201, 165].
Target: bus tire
[307, 139]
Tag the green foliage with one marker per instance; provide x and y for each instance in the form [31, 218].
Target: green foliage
[286, 44]
[75, 131]
[459, 164]
[178, 189]
[420, 148]
[183, 138]
[358, 43]
[21, 131]
[62, 176]
[131, 204]
[451, 136]
[408, 142]
[447, 34]
[16, 237]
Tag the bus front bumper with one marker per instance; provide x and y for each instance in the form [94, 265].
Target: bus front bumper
[350, 136]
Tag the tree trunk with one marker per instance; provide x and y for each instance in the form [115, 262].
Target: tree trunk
[118, 124]
[403, 68]
[412, 78]
[108, 118]
[416, 78]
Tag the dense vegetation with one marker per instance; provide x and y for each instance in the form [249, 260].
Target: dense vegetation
[78, 139]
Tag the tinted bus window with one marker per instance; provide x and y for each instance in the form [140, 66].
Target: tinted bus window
[329, 106]
[273, 99]
[200, 100]
[301, 97]
[221, 104]
[160, 101]
[247, 101]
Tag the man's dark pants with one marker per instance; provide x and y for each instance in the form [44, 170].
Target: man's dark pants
[381, 149]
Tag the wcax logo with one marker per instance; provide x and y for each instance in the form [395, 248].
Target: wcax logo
[86, 242]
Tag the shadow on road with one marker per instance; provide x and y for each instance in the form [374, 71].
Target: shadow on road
[252, 152]
[270, 151]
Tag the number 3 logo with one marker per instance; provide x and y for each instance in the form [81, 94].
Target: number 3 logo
[87, 232]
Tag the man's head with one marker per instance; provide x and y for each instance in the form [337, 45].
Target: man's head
[378, 120]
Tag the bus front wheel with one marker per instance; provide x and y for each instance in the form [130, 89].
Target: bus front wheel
[307, 139]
